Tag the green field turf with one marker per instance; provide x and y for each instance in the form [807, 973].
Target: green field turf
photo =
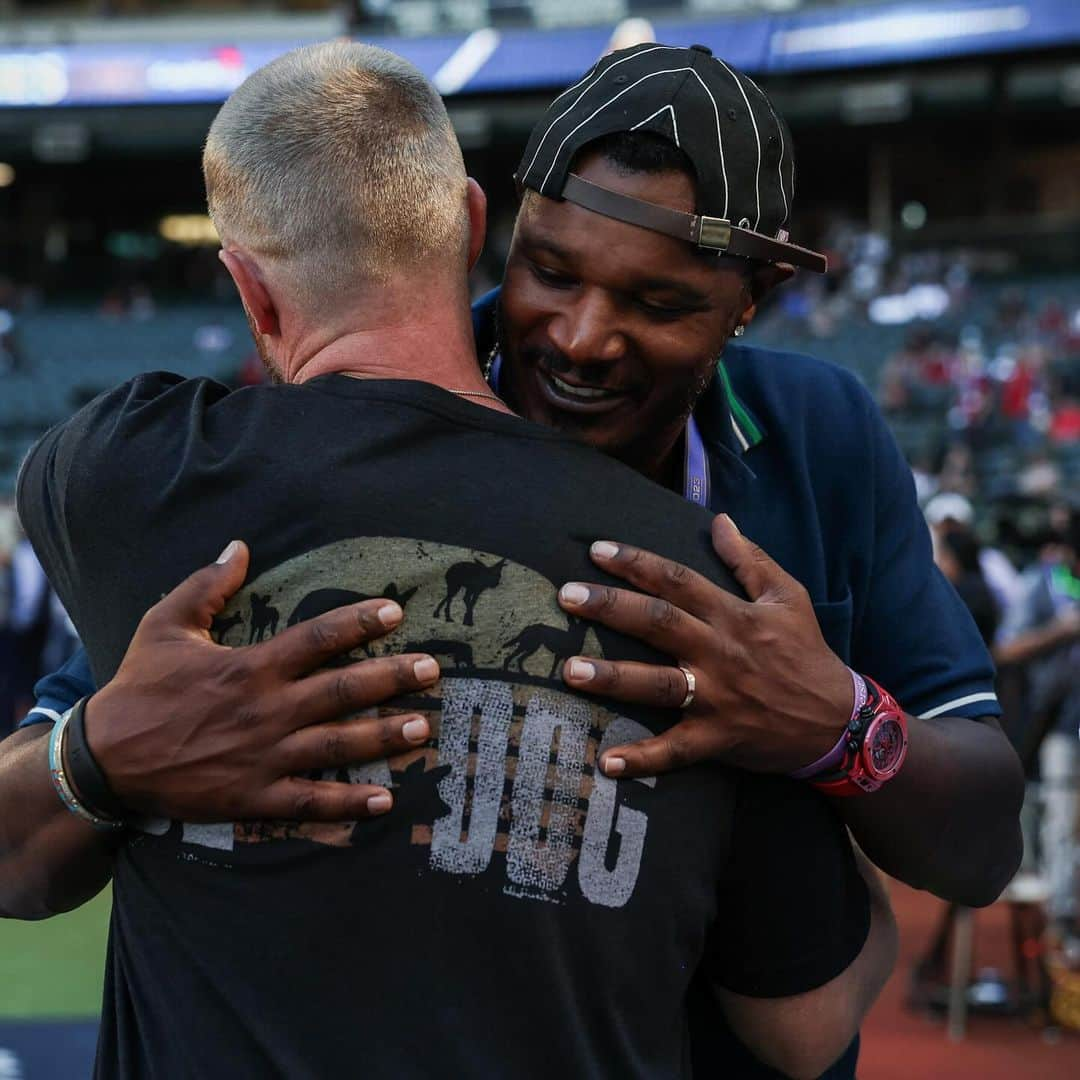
[54, 968]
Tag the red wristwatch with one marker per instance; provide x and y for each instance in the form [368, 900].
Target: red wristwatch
[874, 746]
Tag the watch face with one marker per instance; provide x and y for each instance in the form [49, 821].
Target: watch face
[884, 747]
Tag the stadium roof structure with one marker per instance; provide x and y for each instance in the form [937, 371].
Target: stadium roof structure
[491, 60]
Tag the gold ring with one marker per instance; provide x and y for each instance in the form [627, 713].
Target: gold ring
[691, 686]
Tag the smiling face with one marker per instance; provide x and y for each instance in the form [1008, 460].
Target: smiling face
[610, 332]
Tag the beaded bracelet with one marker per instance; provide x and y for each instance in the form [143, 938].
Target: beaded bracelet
[60, 781]
[835, 757]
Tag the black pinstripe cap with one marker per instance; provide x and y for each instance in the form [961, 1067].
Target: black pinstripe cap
[739, 146]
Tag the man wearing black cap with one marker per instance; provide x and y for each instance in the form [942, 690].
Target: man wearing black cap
[658, 191]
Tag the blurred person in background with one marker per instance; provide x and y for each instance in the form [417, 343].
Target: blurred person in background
[956, 553]
[1041, 632]
[10, 356]
[950, 514]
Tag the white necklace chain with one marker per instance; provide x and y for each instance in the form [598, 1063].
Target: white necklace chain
[478, 393]
[460, 393]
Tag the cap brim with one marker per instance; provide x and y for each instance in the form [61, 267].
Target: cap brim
[704, 232]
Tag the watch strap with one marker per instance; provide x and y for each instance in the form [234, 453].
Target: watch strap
[853, 778]
[834, 759]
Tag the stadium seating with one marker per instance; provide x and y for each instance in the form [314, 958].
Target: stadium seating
[70, 354]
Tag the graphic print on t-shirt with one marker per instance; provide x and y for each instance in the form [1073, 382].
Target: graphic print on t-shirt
[508, 783]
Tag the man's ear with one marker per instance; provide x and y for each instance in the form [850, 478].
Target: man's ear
[761, 281]
[254, 294]
[477, 202]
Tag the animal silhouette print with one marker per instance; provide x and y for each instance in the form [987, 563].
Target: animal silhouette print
[471, 579]
[460, 652]
[321, 601]
[562, 644]
[264, 618]
[220, 626]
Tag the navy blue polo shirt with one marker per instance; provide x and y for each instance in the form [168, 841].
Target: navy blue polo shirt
[802, 460]
[804, 463]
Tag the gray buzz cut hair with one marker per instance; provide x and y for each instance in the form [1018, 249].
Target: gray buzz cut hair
[338, 162]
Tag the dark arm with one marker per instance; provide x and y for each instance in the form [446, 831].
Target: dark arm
[816, 939]
[804, 1034]
[949, 822]
[194, 731]
[771, 696]
[49, 861]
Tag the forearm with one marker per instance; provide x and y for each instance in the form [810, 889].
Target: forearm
[49, 861]
[1035, 643]
[875, 963]
[803, 1035]
[949, 822]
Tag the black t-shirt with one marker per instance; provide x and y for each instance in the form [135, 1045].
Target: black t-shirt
[518, 913]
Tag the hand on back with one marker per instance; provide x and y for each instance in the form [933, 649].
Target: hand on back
[192, 730]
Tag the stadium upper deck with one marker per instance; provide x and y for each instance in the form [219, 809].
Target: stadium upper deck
[115, 19]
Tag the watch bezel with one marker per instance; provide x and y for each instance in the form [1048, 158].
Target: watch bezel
[880, 719]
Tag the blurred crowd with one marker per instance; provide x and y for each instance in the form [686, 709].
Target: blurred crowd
[1024, 394]
[982, 388]
[1029, 616]
[998, 363]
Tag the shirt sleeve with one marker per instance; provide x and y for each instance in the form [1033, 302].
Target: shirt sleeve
[914, 635]
[56, 693]
[793, 911]
[125, 448]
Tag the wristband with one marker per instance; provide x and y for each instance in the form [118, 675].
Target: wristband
[835, 757]
[61, 784]
[85, 773]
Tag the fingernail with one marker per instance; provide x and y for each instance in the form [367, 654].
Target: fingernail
[389, 614]
[581, 669]
[426, 670]
[574, 594]
[613, 765]
[415, 730]
[229, 552]
[735, 527]
[604, 549]
[379, 804]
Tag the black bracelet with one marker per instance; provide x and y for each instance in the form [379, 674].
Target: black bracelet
[85, 773]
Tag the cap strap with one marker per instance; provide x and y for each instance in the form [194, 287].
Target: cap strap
[710, 233]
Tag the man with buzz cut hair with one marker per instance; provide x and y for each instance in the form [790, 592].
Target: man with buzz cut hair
[554, 916]
[383, 158]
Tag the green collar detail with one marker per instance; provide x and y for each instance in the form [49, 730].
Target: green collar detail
[748, 432]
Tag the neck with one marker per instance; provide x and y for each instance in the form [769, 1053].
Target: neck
[662, 461]
[431, 345]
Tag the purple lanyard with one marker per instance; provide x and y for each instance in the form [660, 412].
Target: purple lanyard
[696, 468]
